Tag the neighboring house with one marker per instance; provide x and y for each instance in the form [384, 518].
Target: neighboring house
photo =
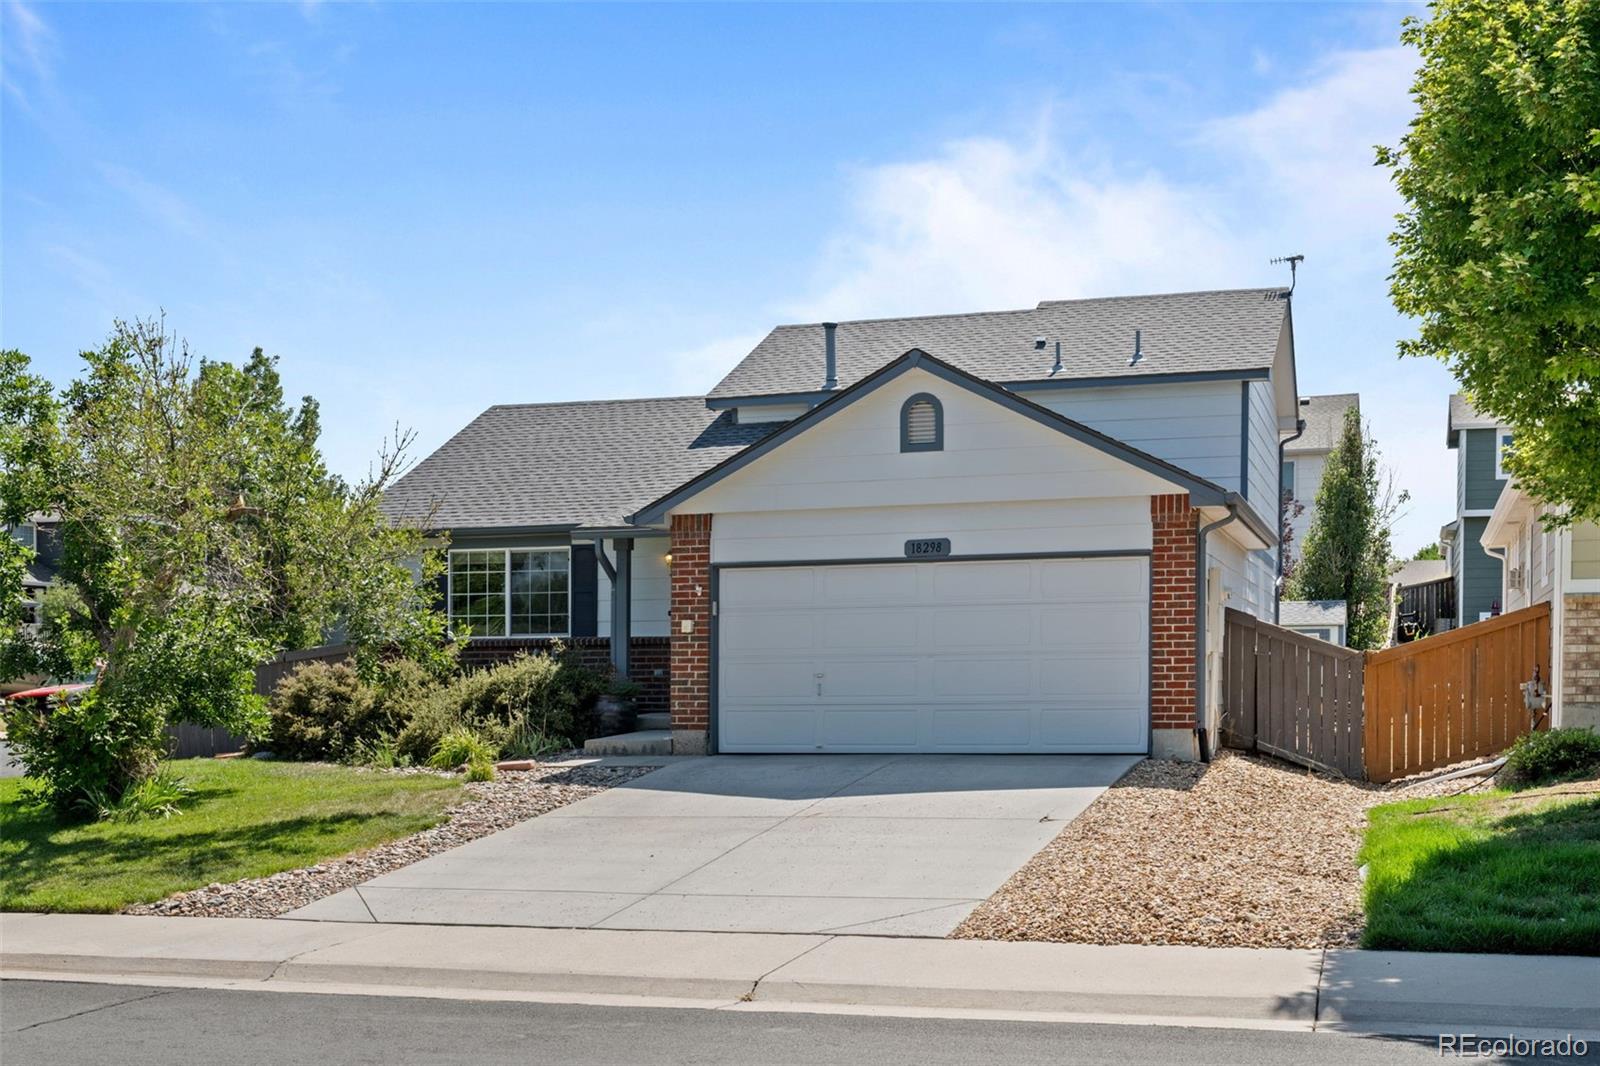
[42, 533]
[1424, 595]
[1560, 567]
[1480, 444]
[1304, 457]
[1323, 619]
[956, 533]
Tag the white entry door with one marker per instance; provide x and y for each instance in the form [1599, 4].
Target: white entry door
[1034, 655]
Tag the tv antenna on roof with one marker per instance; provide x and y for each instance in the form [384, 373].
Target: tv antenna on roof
[1294, 262]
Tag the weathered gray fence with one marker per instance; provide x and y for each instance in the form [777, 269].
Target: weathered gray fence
[189, 741]
[275, 669]
[1292, 696]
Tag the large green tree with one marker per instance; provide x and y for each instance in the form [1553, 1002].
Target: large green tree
[202, 533]
[1497, 254]
[1347, 550]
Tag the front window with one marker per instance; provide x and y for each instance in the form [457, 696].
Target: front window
[25, 534]
[1502, 449]
[511, 592]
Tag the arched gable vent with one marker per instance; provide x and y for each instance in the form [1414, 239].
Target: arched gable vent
[922, 424]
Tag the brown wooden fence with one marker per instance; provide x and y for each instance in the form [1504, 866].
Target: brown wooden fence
[187, 740]
[1454, 696]
[1292, 696]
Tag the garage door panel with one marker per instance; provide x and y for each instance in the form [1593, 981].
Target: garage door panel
[980, 582]
[768, 588]
[1099, 677]
[877, 585]
[1037, 655]
[1106, 625]
[969, 678]
[769, 679]
[871, 630]
[867, 726]
[984, 627]
[856, 678]
[1110, 729]
[982, 727]
[770, 729]
[1105, 579]
[774, 631]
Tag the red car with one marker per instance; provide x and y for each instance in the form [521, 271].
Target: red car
[48, 690]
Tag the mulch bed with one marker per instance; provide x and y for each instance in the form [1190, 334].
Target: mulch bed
[1245, 852]
[492, 805]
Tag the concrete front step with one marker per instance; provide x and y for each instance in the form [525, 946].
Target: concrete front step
[655, 720]
[642, 742]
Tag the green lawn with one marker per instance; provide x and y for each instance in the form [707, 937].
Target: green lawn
[246, 819]
[1514, 872]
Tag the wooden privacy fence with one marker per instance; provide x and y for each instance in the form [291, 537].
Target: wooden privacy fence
[1454, 696]
[1386, 714]
[187, 740]
[1291, 695]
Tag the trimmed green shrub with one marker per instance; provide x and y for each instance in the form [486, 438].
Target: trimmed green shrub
[322, 711]
[483, 770]
[1556, 755]
[461, 747]
[433, 718]
[544, 700]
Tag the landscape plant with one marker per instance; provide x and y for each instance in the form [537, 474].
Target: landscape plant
[1347, 552]
[1497, 252]
[202, 533]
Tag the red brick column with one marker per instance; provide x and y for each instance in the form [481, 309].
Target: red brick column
[1172, 600]
[690, 621]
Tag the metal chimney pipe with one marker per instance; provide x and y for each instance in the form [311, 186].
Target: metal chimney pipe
[832, 357]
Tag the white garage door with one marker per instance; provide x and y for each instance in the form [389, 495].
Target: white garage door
[1045, 655]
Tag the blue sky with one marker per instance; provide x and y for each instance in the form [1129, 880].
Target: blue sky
[424, 209]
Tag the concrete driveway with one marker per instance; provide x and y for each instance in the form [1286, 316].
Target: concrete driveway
[897, 845]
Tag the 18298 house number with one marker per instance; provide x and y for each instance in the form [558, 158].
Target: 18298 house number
[927, 547]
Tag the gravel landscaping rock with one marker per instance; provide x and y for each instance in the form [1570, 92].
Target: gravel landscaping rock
[1245, 852]
[491, 806]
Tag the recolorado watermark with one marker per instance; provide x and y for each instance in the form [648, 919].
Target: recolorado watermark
[1475, 1046]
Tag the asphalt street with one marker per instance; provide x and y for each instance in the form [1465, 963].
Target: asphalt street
[53, 1024]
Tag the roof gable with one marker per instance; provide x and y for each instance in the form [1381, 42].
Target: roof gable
[1178, 480]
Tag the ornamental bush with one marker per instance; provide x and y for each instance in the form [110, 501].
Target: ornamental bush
[84, 750]
[1556, 755]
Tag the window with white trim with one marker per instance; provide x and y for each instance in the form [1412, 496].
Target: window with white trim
[1501, 449]
[511, 592]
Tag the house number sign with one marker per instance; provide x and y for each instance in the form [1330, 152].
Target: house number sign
[928, 548]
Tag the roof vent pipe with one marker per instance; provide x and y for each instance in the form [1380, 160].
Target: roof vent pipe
[832, 358]
[1138, 351]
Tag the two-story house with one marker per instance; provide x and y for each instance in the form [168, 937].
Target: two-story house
[1480, 445]
[1009, 531]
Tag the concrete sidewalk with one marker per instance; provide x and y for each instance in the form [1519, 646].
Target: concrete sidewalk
[1390, 992]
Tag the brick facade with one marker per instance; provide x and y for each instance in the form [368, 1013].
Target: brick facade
[1580, 661]
[691, 611]
[1172, 602]
[649, 661]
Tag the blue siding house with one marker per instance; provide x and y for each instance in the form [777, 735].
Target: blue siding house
[1479, 443]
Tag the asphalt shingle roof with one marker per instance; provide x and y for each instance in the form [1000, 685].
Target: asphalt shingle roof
[1192, 332]
[1419, 572]
[1324, 418]
[560, 464]
[1311, 613]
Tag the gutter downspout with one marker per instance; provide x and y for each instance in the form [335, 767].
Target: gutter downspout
[1200, 627]
[1277, 586]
